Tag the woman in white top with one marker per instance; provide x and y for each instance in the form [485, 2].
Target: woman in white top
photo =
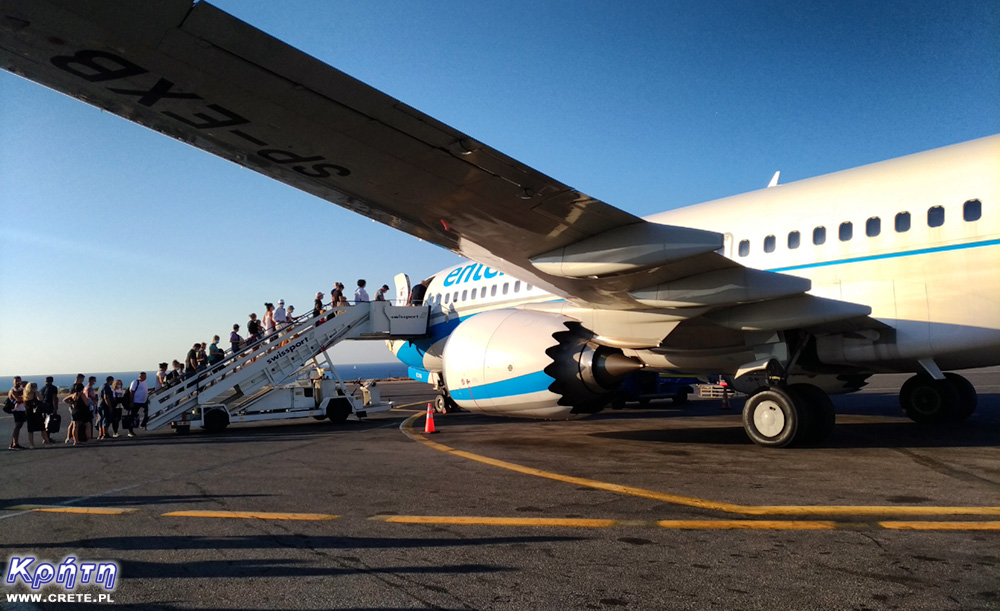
[269, 319]
[161, 377]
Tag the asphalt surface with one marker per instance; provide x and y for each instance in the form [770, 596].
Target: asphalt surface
[658, 508]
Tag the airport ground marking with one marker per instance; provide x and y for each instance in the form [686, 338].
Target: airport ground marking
[251, 515]
[608, 523]
[499, 521]
[940, 525]
[407, 427]
[104, 511]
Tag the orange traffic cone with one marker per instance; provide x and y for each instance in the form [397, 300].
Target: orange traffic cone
[429, 423]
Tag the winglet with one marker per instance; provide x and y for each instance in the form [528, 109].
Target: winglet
[774, 180]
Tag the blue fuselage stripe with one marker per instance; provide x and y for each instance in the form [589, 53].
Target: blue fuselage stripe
[891, 255]
[521, 385]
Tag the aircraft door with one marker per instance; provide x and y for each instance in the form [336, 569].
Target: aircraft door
[727, 245]
[402, 282]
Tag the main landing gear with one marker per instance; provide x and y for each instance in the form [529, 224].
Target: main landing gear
[443, 403]
[929, 401]
[778, 416]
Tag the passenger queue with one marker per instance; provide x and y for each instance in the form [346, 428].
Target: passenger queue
[115, 408]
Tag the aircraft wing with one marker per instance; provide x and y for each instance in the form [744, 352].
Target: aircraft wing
[204, 77]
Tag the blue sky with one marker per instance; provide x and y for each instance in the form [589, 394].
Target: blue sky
[119, 247]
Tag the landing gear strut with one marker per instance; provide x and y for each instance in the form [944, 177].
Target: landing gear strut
[783, 415]
[929, 401]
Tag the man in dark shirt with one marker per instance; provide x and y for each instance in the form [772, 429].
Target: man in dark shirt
[50, 397]
[191, 363]
[417, 294]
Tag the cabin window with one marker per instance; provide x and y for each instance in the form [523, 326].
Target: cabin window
[846, 231]
[972, 210]
[517, 286]
[527, 287]
[873, 227]
[493, 291]
[793, 240]
[744, 248]
[935, 216]
[506, 285]
[482, 293]
[454, 298]
[465, 294]
[902, 222]
[446, 298]
[769, 244]
[819, 236]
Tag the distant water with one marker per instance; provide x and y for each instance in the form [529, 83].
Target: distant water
[364, 371]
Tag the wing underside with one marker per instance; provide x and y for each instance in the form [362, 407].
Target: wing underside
[202, 76]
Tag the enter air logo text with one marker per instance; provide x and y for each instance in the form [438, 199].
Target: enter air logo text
[473, 272]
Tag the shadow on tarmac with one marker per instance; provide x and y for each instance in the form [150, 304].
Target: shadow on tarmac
[119, 501]
[275, 541]
[851, 431]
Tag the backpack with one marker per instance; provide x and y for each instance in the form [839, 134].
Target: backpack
[126, 400]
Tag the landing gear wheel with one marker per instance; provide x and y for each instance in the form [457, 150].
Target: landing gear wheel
[216, 421]
[681, 398]
[771, 419]
[818, 415]
[440, 404]
[444, 404]
[929, 401]
[967, 397]
[338, 410]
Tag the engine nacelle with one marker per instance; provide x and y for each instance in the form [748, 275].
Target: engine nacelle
[530, 364]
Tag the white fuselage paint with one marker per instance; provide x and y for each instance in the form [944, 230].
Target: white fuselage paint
[937, 286]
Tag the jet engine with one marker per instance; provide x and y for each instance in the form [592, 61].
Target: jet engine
[532, 365]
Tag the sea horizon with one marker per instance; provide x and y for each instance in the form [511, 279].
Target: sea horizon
[347, 371]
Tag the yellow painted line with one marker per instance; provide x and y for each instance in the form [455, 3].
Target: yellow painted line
[258, 515]
[104, 511]
[602, 523]
[406, 405]
[746, 525]
[689, 501]
[940, 525]
[489, 521]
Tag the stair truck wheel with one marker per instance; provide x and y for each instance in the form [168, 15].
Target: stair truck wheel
[338, 410]
[216, 420]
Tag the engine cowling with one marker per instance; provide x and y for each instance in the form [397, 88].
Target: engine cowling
[532, 365]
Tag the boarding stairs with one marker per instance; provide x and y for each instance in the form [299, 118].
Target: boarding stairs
[255, 368]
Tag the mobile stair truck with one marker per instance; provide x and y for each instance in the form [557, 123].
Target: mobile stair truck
[286, 374]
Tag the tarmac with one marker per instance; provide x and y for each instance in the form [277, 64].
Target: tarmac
[658, 508]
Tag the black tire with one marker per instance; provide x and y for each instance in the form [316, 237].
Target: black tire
[216, 421]
[681, 398]
[818, 414]
[929, 401]
[440, 404]
[338, 410]
[967, 397]
[771, 419]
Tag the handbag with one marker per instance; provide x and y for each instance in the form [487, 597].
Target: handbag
[8, 406]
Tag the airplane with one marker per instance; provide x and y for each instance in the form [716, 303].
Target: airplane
[792, 292]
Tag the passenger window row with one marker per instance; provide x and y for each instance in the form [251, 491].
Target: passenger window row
[480, 293]
[972, 211]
